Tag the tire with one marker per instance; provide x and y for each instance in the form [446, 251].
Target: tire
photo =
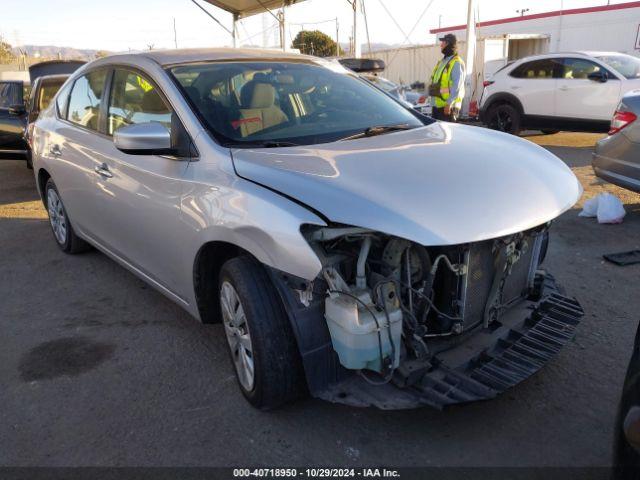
[549, 132]
[505, 118]
[278, 376]
[61, 227]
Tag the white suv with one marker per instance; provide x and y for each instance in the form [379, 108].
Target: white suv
[560, 91]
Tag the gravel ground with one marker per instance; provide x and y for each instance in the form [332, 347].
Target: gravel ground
[98, 369]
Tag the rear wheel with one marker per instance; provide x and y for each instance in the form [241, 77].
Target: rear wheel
[63, 232]
[505, 118]
[263, 348]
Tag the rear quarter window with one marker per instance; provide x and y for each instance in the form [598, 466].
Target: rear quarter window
[62, 100]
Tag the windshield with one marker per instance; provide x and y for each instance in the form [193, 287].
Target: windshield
[249, 103]
[626, 65]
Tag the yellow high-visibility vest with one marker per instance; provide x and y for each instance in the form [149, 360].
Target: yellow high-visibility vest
[442, 75]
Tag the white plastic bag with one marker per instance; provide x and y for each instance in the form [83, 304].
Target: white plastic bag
[610, 209]
[607, 207]
[590, 208]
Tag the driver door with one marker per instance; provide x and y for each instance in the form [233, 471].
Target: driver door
[580, 98]
[143, 191]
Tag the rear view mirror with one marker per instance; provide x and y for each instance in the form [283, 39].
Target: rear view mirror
[143, 139]
[17, 110]
[598, 77]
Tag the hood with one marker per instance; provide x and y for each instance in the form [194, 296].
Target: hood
[442, 184]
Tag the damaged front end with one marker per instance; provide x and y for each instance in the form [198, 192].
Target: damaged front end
[394, 324]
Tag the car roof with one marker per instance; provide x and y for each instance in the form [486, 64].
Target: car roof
[574, 53]
[196, 55]
[58, 76]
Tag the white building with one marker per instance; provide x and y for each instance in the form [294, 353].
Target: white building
[605, 28]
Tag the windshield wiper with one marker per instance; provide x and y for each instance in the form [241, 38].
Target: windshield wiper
[264, 144]
[379, 130]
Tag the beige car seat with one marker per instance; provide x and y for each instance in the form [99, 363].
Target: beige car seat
[258, 109]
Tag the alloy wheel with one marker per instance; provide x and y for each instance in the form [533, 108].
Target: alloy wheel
[503, 121]
[237, 331]
[56, 216]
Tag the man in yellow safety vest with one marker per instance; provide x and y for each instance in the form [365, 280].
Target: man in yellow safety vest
[447, 81]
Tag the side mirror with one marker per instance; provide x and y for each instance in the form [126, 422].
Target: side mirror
[17, 110]
[598, 76]
[143, 139]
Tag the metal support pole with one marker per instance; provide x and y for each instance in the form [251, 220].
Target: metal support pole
[337, 38]
[357, 53]
[234, 30]
[470, 55]
[282, 22]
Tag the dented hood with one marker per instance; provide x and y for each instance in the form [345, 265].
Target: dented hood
[442, 184]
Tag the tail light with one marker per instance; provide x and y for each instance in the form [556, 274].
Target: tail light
[422, 99]
[621, 120]
[486, 83]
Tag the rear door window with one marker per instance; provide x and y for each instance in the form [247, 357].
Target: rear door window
[538, 69]
[84, 102]
[134, 99]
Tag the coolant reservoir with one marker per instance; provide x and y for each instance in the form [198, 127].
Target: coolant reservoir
[354, 331]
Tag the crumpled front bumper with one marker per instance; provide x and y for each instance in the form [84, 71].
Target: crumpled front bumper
[484, 364]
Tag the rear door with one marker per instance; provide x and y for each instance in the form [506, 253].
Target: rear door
[534, 84]
[140, 219]
[73, 150]
[583, 99]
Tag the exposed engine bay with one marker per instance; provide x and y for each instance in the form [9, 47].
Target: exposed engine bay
[393, 324]
[391, 304]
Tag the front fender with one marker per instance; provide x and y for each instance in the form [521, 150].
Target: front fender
[259, 221]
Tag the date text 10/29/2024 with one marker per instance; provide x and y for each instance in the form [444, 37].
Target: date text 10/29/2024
[315, 473]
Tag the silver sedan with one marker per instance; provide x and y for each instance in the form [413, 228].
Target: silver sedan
[617, 157]
[351, 247]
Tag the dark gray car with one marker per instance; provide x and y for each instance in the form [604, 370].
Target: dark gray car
[617, 157]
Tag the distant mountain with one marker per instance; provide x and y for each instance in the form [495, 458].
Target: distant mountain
[51, 51]
[374, 46]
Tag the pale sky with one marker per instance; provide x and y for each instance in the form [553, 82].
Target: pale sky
[119, 25]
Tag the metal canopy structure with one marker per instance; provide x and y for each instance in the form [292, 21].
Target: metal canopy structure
[246, 8]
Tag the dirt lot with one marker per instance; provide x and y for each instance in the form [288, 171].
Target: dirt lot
[98, 369]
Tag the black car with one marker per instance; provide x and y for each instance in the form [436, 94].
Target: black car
[627, 430]
[18, 108]
[13, 117]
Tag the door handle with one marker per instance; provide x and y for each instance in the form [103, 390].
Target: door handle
[564, 88]
[55, 150]
[103, 171]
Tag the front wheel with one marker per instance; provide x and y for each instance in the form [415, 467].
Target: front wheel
[261, 342]
[63, 232]
[504, 118]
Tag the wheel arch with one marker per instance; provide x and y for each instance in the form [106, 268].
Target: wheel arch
[206, 271]
[43, 176]
[502, 98]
